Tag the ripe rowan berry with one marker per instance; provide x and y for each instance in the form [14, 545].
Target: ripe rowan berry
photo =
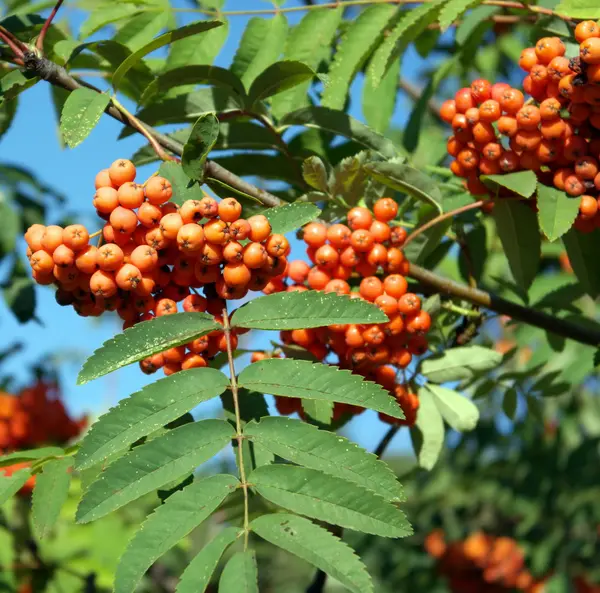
[102, 284]
[362, 240]
[448, 110]
[128, 277]
[385, 209]
[121, 171]
[144, 258]
[109, 257]
[260, 228]
[190, 237]
[158, 190]
[130, 195]
[52, 238]
[229, 209]
[240, 230]
[359, 218]
[123, 220]
[63, 256]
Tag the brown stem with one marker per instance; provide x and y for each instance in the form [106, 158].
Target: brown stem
[239, 434]
[12, 42]
[415, 94]
[58, 76]
[386, 440]
[441, 218]
[580, 333]
[40, 40]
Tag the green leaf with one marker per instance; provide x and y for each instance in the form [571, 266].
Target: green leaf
[186, 75]
[201, 141]
[240, 574]
[297, 310]
[340, 124]
[19, 296]
[557, 211]
[355, 46]
[9, 486]
[579, 9]
[11, 225]
[161, 41]
[152, 465]
[145, 339]
[316, 545]
[411, 25]
[318, 410]
[422, 246]
[105, 15]
[196, 577]
[408, 180]
[30, 455]
[379, 102]
[81, 112]
[518, 231]
[306, 445]
[583, 250]
[522, 183]
[336, 501]
[168, 524]
[454, 9]
[349, 178]
[431, 429]
[509, 403]
[13, 83]
[261, 45]
[314, 173]
[290, 217]
[458, 411]
[148, 410]
[192, 51]
[277, 78]
[309, 42]
[8, 109]
[183, 187]
[50, 494]
[301, 378]
[456, 364]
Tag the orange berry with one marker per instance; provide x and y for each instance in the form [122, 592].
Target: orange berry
[130, 195]
[588, 207]
[327, 257]
[229, 209]
[418, 322]
[158, 190]
[463, 99]
[41, 262]
[254, 256]
[121, 172]
[233, 252]
[277, 246]
[388, 304]
[377, 255]
[216, 232]
[194, 303]
[409, 303]
[63, 256]
[165, 306]
[589, 50]
[86, 260]
[528, 59]
[105, 199]
[110, 257]
[318, 278]
[210, 254]
[170, 225]
[381, 231]
[240, 230]
[75, 236]
[144, 258]
[398, 235]
[511, 101]
[123, 220]
[128, 277]
[448, 110]
[338, 286]
[193, 361]
[315, 234]
[190, 237]
[102, 284]
[236, 274]
[52, 238]
[156, 238]
[103, 179]
[359, 218]
[370, 288]
[395, 285]
[362, 240]
[260, 228]
[548, 48]
[385, 209]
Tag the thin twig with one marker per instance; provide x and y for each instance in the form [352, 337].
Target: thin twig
[386, 440]
[12, 42]
[134, 122]
[42, 36]
[441, 218]
[415, 94]
[239, 435]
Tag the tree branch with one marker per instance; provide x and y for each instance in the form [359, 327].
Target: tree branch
[42, 36]
[551, 323]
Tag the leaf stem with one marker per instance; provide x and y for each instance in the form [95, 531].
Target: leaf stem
[461, 310]
[137, 124]
[441, 218]
[239, 435]
[39, 44]
[386, 440]
[14, 44]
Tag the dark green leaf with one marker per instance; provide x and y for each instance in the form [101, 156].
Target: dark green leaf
[379, 101]
[240, 574]
[161, 41]
[81, 112]
[296, 310]
[301, 378]
[509, 403]
[314, 173]
[148, 410]
[50, 494]
[183, 187]
[328, 452]
[10, 225]
[30, 455]
[19, 296]
[336, 501]
[196, 577]
[152, 465]
[557, 211]
[454, 9]
[518, 230]
[431, 429]
[277, 78]
[8, 110]
[145, 339]
[583, 250]
[408, 180]
[522, 183]
[318, 410]
[9, 486]
[170, 523]
[201, 141]
[316, 545]
[105, 15]
[340, 124]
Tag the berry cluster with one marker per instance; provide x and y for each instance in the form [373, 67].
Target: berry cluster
[365, 252]
[34, 417]
[154, 254]
[555, 133]
[482, 563]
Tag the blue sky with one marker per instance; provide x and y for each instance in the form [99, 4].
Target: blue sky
[33, 142]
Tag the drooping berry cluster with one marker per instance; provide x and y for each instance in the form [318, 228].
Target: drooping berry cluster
[367, 252]
[34, 417]
[555, 133]
[482, 563]
[155, 255]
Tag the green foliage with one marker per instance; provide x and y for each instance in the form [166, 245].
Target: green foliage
[315, 545]
[169, 523]
[319, 496]
[294, 310]
[197, 575]
[582, 249]
[458, 411]
[306, 445]
[202, 138]
[286, 218]
[523, 183]
[240, 574]
[278, 78]
[30, 455]
[81, 112]
[146, 411]
[556, 211]
[428, 433]
[465, 362]
[152, 465]
[143, 340]
[183, 187]
[10, 485]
